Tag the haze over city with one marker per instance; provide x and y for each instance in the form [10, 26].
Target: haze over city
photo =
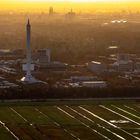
[69, 70]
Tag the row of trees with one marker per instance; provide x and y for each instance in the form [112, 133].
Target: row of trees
[64, 93]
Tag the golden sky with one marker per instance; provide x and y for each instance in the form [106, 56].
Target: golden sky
[27, 1]
[30, 5]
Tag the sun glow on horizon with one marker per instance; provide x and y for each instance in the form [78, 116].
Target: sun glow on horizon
[28, 1]
[62, 5]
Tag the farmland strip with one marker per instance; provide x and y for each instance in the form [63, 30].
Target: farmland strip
[83, 123]
[116, 126]
[127, 112]
[138, 106]
[97, 124]
[18, 114]
[3, 124]
[130, 108]
[26, 122]
[122, 115]
[65, 112]
[119, 114]
[57, 124]
[80, 114]
[46, 116]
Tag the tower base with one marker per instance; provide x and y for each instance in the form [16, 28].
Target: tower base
[29, 79]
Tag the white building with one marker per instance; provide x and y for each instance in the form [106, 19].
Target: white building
[96, 67]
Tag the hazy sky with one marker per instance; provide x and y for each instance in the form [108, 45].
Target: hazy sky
[7, 1]
[62, 5]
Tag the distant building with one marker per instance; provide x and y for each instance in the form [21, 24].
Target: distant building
[55, 65]
[123, 58]
[70, 14]
[123, 63]
[43, 60]
[96, 67]
[137, 67]
[18, 52]
[12, 53]
[5, 51]
[43, 56]
[51, 11]
[125, 67]
[83, 78]
[95, 84]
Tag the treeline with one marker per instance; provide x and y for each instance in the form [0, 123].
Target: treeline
[64, 93]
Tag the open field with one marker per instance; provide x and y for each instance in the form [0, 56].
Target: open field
[67, 121]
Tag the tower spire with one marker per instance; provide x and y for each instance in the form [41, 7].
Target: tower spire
[28, 23]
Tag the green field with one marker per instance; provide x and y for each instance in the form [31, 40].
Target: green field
[68, 121]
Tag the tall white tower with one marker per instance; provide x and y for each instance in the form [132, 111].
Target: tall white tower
[28, 67]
